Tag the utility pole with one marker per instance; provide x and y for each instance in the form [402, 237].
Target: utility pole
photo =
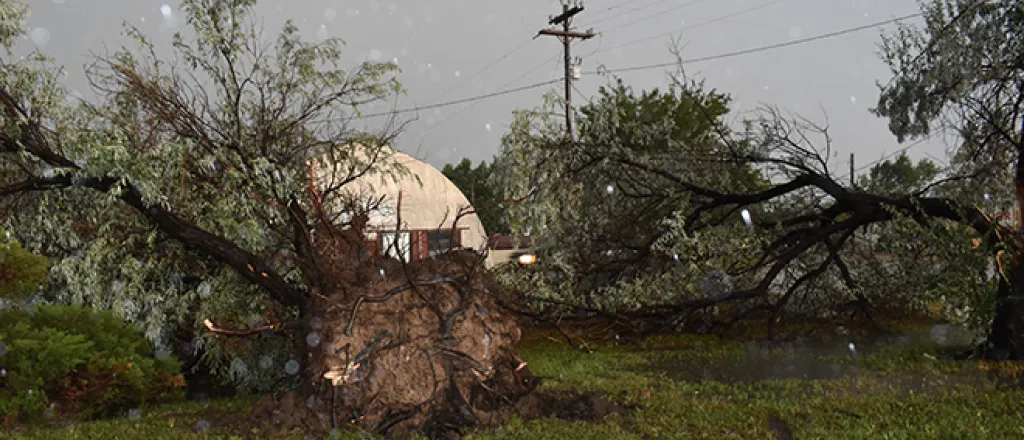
[853, 182]
[566, 35]
[852, 171]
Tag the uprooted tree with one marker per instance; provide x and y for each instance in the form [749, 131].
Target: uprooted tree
[597, 220]
[963, 73]
[213, 193]
[795, 254]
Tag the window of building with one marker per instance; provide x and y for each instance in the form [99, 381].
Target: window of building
[440, 241]
[395, 245]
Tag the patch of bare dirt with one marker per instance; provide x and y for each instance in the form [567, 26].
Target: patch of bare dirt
[286, 413]
[569, 406]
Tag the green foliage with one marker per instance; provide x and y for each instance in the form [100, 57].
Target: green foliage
[959, 71]
[88, 362]
[927, 269]
[600, 206]
[899, 177]
[12, 18]
[21, 271]
[224, 139]
[478, 186]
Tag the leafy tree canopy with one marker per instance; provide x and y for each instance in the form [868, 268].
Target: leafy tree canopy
[188, 188]
[476, 184]
[899, 176]
[753, 217]
[599, 205]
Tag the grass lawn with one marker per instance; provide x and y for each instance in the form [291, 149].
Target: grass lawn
[892, 393]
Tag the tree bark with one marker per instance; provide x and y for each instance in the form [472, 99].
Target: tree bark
[1006, 339]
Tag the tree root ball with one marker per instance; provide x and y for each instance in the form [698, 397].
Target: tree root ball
[422, 348]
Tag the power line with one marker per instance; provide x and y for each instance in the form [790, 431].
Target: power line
[651, 66]
[463, 100]
[578, 92]
[760, 48]
[695, 26]
[887, 156]
[484, 68]
[656, 14]
[500, 89]
[623, 4]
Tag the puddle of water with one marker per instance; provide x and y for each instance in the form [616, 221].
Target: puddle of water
[802, 358]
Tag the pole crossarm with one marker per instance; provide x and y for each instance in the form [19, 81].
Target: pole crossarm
[566, 35]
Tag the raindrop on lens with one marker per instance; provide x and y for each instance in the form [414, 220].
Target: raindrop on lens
[266, 362]
[204, 289]
[40, 36]
[291, 367]
[313, 339]
[202, 426]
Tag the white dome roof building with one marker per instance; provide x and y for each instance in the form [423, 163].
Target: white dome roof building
[430, 204]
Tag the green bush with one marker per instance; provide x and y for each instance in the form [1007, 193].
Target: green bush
[80, 362]
[21, 272]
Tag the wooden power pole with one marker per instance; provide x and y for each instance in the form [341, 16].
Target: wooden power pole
[852, 172]
[566, 35]
[853, 184]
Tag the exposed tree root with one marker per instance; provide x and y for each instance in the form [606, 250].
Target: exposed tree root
[406, 348]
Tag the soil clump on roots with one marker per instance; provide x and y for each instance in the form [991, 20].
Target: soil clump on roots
[401, 348]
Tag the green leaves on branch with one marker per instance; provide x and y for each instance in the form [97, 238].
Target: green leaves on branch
[225, 142]
[602, 208]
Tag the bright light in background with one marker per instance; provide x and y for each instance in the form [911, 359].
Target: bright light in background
[746, 217]
[988, 196]
[610, 189]
[527, 259]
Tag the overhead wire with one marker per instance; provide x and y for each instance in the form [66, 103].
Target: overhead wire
[695, 26]
[500, 89]
[622, 5]
[641, 8]
[461, 101]
[899, 151]
[648, 66]
[654, 15]
[759, 48]
[489, 65]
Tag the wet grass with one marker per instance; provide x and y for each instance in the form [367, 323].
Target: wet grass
[893, 392]
[185, 421]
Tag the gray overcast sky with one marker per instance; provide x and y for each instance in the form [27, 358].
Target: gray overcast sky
[440, 43]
